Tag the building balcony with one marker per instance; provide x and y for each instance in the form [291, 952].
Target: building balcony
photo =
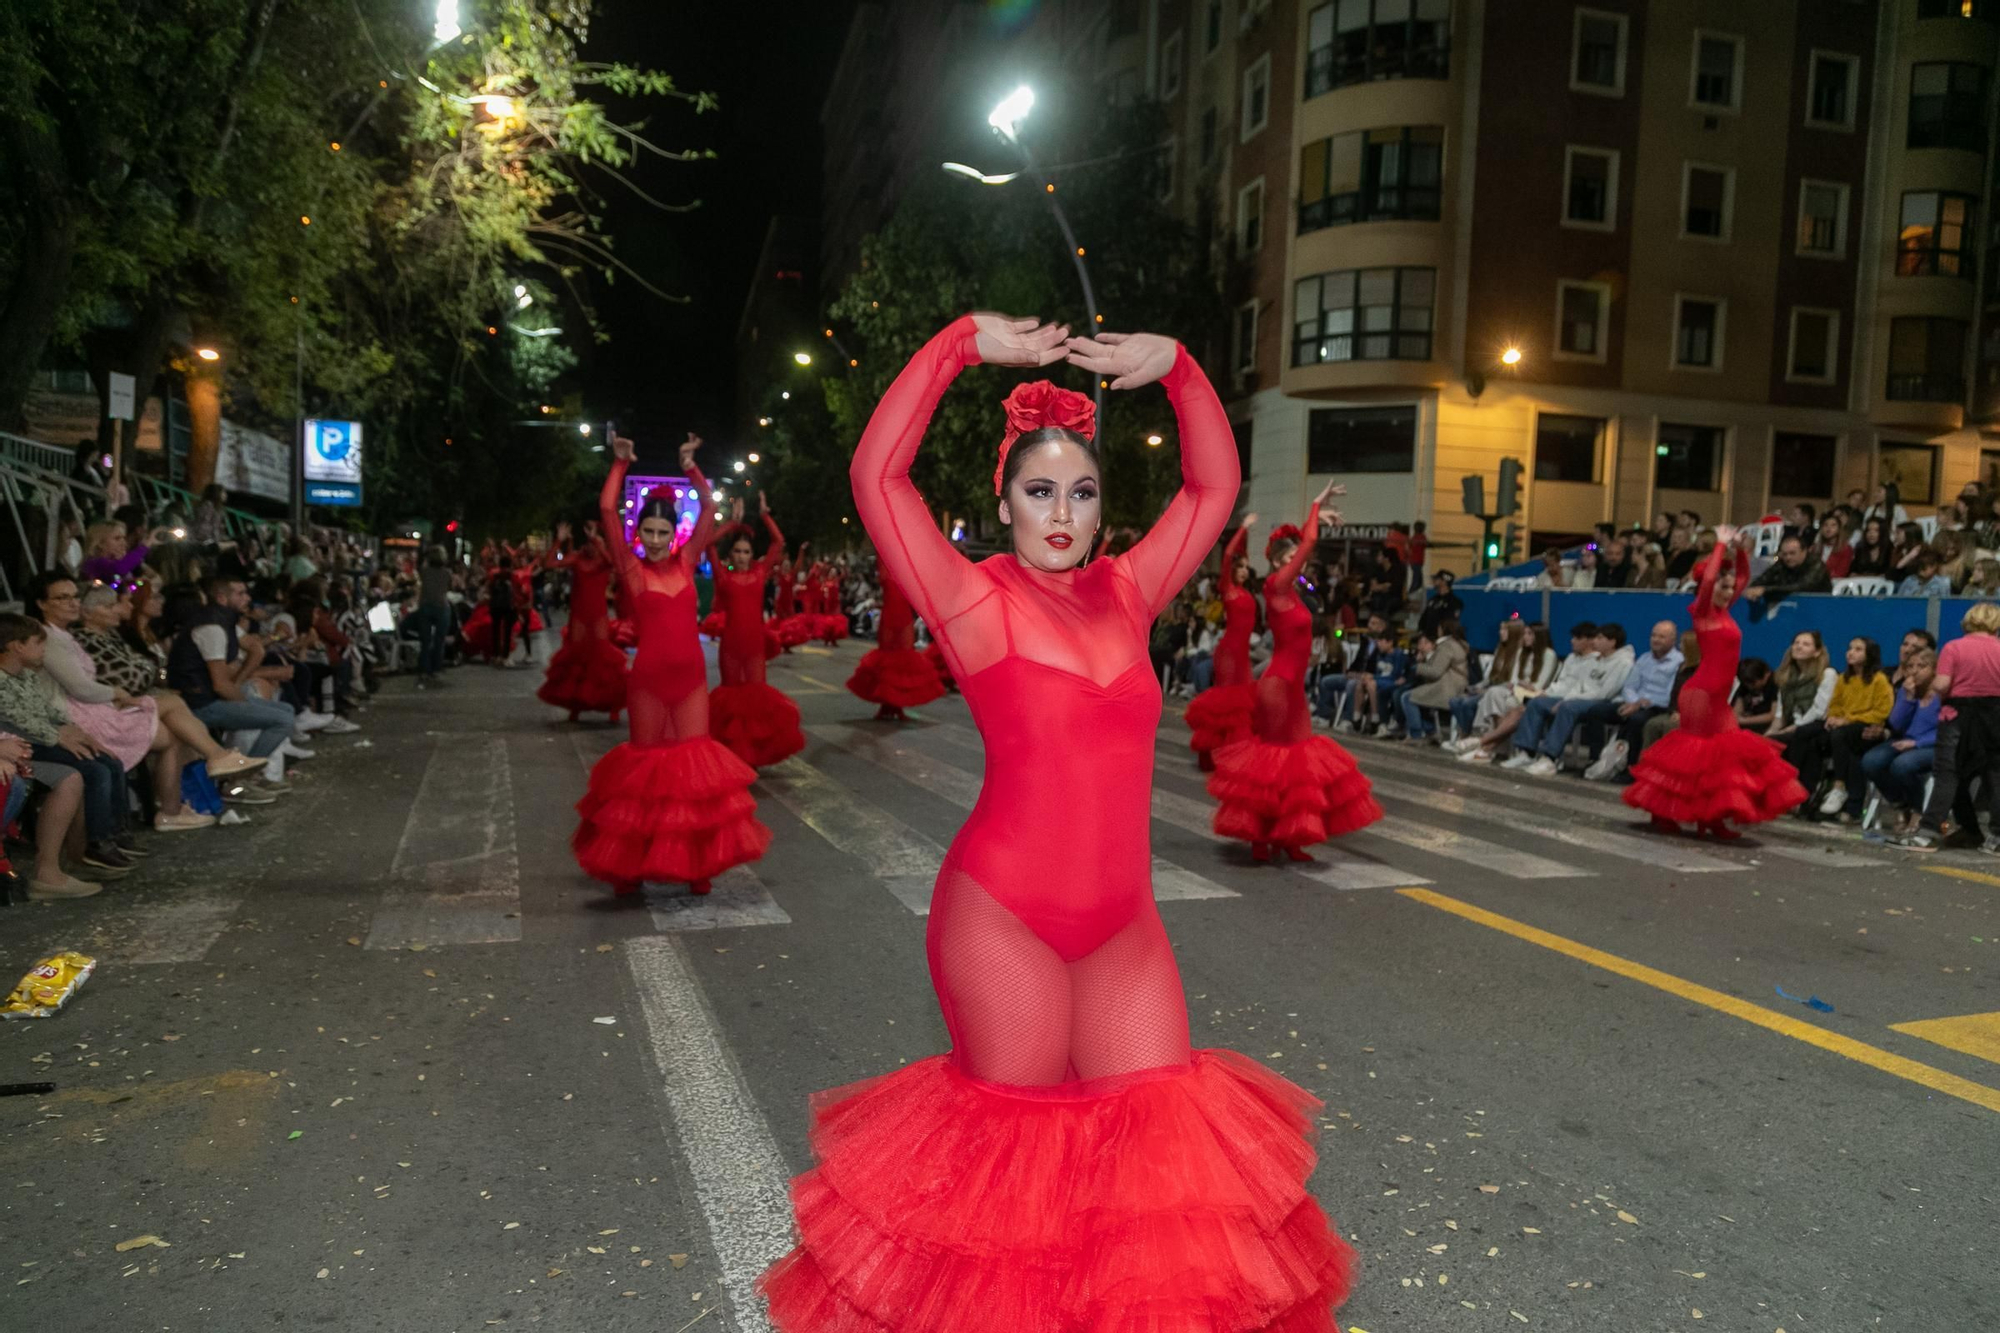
[1383, 204]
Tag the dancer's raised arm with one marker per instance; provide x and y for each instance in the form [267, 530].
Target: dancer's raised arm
[1164, 558]
[608, 515]
[704, 523]
[1727, 540]
[907, 541]
[774, 554]
[1235, 549]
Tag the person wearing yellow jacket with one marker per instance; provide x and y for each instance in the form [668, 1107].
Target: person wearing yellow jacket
[1856, 718]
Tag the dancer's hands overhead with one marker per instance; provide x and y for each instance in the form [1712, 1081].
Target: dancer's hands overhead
[1005, 341]
[623, 448]
[688, 448]
[1133, 359]
[763, 505]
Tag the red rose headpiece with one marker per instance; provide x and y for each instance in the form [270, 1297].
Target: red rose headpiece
[1279, 536]
[1037, 404]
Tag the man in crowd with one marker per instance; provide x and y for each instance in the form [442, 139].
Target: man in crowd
[212, 665]
[1335, 685]
[1549, 719]
[1444, 604]
[1614, 567]
[1648, 692]
[1796, 570]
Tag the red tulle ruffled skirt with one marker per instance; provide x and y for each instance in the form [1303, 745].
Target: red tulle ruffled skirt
[896, 678]
[711, 624]
[755, 722]
[1167, 1201]
[586, 676]
[668, 813]
[625, 633]
[1733, 774]
[1219, 716]
[829, 629]
[1293, 795]
[795, 630]
[477, 635]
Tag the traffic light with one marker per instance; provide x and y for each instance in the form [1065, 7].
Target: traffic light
[1510, 488]
[1492, 549]
[1510, 544]
[451, 526]
[1472, 492]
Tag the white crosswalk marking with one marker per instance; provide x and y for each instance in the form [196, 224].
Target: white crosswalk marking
[737, 898]
[1473, 851]
[961, 788]
[456, 878]
[178, 931]
[907, 861]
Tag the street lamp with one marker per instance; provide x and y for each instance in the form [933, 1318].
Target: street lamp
[803, 358]
[446, 26]
[208, 354]
[1006, 118]
[1511, 357]
[740, 465]
[754, 458]
[1156, 439]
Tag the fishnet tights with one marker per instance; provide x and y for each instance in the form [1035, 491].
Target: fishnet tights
[1019, 1013]
[657, 721]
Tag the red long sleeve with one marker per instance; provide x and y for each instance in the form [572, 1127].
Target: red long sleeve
[1711, 570]
[612, 521]
[1295, 563]
[704, 523]
[774, 555]
[1210, 476]
[1231, 554]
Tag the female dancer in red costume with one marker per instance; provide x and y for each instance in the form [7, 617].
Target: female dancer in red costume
[1071, 1164]
[1708, 769]
[669, 804]
[1282, 786]
[788, 620]
[755, 721]
[895, 675]
[823, 601]
[1221, 713]
[587, 675]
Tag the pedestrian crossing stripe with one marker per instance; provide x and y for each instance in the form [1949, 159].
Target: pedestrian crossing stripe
[1968, 1034]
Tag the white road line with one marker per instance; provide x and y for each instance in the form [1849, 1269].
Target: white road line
[739, 1176]
[1464, 847]
[739, 898]
[1631, 847]
[1171, 883]
[180, 931]
[1332, 866]
[456, 878]
[905, 859]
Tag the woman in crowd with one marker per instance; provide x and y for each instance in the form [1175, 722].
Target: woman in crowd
[1832, 547]
[587, 674]
[1523, 661]
[1220, 714]
[1649, 570]
[1584, 576]
[894, 675]
[670, 804]
[108, 555]
[1073, 1163]
[1862, 698]
[756, 722]
[1968, 736]
[1805, 681]
[1552, 574]
[1283, 788]
[1708, 771]
[1900, 761]
[1443, 669]
[1874, 554]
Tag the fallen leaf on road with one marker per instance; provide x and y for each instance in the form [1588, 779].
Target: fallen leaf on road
[1450, 1225]
[555, 1272]
[510, 1226]
[418, 948]
[1624, 1216]
[295, 1134]
[595, 1249]
[607, 1020]
[1531, 1231]
[1684, 1273]
[1489, 1189]
[1518, 1315]
[678, 1260]
[354, 940]
[140, 1243]
[568, 1096]
[611, 1231]
[645, 1263]
[1402, 1138]
[1439, 1249]
[322, 1272]
[604, 948]
[175, 1036]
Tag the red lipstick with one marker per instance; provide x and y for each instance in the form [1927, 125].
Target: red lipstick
[1060, 540]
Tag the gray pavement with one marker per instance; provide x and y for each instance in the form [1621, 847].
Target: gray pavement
[351, 1063]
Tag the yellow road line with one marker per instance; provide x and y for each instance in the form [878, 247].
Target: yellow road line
[1970, 1034]
[824, 688]
[1977, 877]
[1937, 1080]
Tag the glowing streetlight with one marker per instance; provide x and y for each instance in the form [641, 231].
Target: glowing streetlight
[715, 496]
[975, 174]
[1013, 109]
[786, 395]
[208, 354]
[1511, 357]
[740, 465]
[754, 458]
[762, 421]
[803, 358]
[584, 429]
[446, 26]
[1156, 439]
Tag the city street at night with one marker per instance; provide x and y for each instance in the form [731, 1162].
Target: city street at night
[398, 1064]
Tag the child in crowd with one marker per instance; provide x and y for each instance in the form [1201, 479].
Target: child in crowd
[1392, 672]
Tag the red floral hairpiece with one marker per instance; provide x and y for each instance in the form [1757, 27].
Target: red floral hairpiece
[1038, 404]
[1280, 535]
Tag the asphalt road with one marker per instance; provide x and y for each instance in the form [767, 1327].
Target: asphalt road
[384, 1060]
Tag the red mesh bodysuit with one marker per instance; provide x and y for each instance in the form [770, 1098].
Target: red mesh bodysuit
[1221, 713]
[587, 675]
[894, 674]
[1708, 769]
[787, 620]
[1071, 1165]
[823, 605]
[1283, 786]
[670, 804]
[758, 723]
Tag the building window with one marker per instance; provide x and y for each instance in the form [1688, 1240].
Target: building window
[1698, 330]
[1250, 218]
[1822, 219]
[1583, 312]
[1168, 161]
[1947, 106]
[1170, 67]
[1932, 240]
[1926, 360]
[1256, 96]
[1208, 137]
[1360, 41]
[1707, 199]
[1597, 55]
[1911, 468]
[1370, 314]
[1361, 439]
[1371, 176]
[1243, 342]
[1717, 82]
[1568, 448]
[1802, 465]
[1814, 355]
[1688, 458]
[1211, 32]
[1590, 188]
[1830, 92]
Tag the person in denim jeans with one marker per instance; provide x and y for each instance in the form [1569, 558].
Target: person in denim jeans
[432, 618]
[1901, 760]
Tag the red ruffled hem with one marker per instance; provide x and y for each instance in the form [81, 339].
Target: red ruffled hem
[829, 629]
[586, 676]
[755, 722]
[897, 677]
[711, 624]
[1293, 795]
[1733, 774]
[1158, 1202]
[794, 630]
[668, 813]
[1220, 715]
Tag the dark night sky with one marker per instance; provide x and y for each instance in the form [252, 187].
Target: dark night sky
[670, 368]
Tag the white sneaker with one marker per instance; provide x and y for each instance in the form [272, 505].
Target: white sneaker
[291, 749]
[274, 767]
[340, 726]
[1344, 727]
[1836, 800]
[1465, 745]
[1478, 754]
[1607, 765]
[310, 721]
[1319, 723]
[1519, 759]
[1543, 767]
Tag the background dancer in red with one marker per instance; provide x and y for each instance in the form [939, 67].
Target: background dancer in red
[754, 720]
[788, 619]
[895, 675]
[1221, 713]
[1282, 786]
[1708, 769]
[588, 674]
[670, 804]
[1072, 1164]
[823, 602]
